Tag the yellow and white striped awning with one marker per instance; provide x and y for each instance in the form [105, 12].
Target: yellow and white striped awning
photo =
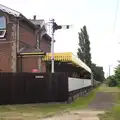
[67, 57]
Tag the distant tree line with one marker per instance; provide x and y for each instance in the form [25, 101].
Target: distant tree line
[114, 80]
[85, 55]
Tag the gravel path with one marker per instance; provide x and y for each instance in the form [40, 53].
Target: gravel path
[102, 101]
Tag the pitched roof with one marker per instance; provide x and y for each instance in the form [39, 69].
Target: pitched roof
[27, 48]
[42, 24]
[10, 11]
[38, 22]
[47, 37]
[16, 14]
[32, 22]
[31, 51]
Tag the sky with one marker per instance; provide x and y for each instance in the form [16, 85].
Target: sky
[97, 15]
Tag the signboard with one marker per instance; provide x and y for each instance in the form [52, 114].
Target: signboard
[39, 76]
[35, 70]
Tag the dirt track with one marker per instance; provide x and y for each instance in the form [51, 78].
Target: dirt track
[102, 101]
[77, 115]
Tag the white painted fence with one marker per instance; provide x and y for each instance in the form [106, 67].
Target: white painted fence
[76, 83]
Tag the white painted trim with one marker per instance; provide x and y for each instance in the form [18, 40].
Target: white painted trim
[77, 83]
[3, 41]
[4, 31]
[31, 56]
[80, 63]
[9, 10]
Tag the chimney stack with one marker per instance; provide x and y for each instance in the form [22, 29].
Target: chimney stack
[34, 17]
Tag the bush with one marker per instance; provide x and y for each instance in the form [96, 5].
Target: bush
[112, 81]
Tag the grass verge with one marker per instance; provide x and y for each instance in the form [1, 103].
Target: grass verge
[104, 88]
[114, 113]
[36, 111]
[82, 102]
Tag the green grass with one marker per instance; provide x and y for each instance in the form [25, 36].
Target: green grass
[114, 113]
[36, 111]
[104, 88]
[82, 102]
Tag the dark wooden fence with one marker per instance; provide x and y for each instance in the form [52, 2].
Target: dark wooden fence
[23, 88]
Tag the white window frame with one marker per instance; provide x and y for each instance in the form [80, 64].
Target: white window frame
[3, 35]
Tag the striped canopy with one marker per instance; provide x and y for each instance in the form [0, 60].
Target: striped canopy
[67, 57]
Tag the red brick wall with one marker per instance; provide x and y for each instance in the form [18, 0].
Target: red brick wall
[43, 66]
[30, 63]
[5, 50]
[5, 57]
[27, 34]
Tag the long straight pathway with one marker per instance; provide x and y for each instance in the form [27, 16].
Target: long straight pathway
[103, 101]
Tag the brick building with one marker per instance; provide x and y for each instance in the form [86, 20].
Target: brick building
[23, 42]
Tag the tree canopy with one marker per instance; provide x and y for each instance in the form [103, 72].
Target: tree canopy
[84, 46]
[85, 55]
[114, 80]
[98, 72]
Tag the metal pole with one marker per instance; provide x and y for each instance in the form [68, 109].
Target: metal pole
[52, 50]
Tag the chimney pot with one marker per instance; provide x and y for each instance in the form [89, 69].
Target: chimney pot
[34, 17]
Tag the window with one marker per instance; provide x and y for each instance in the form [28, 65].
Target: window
[2, 26]
[2, 22]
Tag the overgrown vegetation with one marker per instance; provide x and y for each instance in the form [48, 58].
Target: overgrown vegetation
[114, 80]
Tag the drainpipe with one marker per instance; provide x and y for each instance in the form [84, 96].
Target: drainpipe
[17, 44]
[18, 37]
[20, 63]
[38, 47]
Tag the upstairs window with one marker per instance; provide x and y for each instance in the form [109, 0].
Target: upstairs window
[2, 23]
[2, 26]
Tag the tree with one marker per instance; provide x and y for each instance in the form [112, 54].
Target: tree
[84, 47]
[117, 74]
[98, 72]
[114, 80]
[111, 81]
[85, 55]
